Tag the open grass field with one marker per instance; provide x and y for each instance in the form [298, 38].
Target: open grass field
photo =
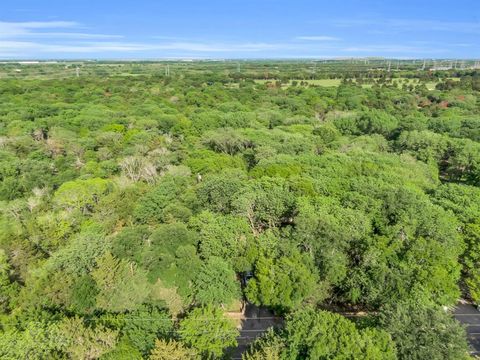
[336, 82]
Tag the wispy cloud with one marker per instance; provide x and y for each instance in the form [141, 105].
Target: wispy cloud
[64, 39]
[51, 37]
[20, 48]
[31, 38]
[12, 29]
[410, 25]
[69, 35]
[39, 24]
[43, 29]
[218, 47]
[397, 49]
[317, 38]
[462, 45]
[28, 47]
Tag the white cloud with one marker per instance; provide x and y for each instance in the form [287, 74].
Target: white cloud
[217, 47]
[29, 39]
[317, 38]
[32, 48]
[12, 29]
[29, 48]
[48, 39]
[408, 25]
[393, 49]
[69, 35]
[36, 29]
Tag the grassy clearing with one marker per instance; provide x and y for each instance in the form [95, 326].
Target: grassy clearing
[336, 82]
[318, 82]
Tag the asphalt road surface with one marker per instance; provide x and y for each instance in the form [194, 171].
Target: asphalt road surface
[468, 315]
[257, 320]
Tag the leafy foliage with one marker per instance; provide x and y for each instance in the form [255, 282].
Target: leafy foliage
[208, 331]
[135, 211]
[121, 286]
[424, 333]
[314, 334]
[171, 350]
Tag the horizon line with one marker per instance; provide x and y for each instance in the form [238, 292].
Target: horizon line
[183, 58]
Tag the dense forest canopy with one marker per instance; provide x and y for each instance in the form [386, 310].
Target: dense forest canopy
[137, 211]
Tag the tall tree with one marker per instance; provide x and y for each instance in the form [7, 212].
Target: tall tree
[172, 350]
[121, 285]
[207, 330]
[312, 334]
[216, 283]
[422, 333]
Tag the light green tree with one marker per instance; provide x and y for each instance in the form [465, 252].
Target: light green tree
[81, 194]
[7, 288]
[313, 334]
[207, 330]
[282, 281]
[81, 342]
[216, 283]
[121, 285]
[172, 350]
[422, 333]
[270, 346]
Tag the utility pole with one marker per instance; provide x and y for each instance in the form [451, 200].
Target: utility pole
[77, 70]
[424, 63]
[389, 66]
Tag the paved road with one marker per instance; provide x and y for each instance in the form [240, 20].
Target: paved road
[257, 320]
[468, 315]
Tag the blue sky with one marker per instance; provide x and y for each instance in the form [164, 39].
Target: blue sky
[105, 29]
